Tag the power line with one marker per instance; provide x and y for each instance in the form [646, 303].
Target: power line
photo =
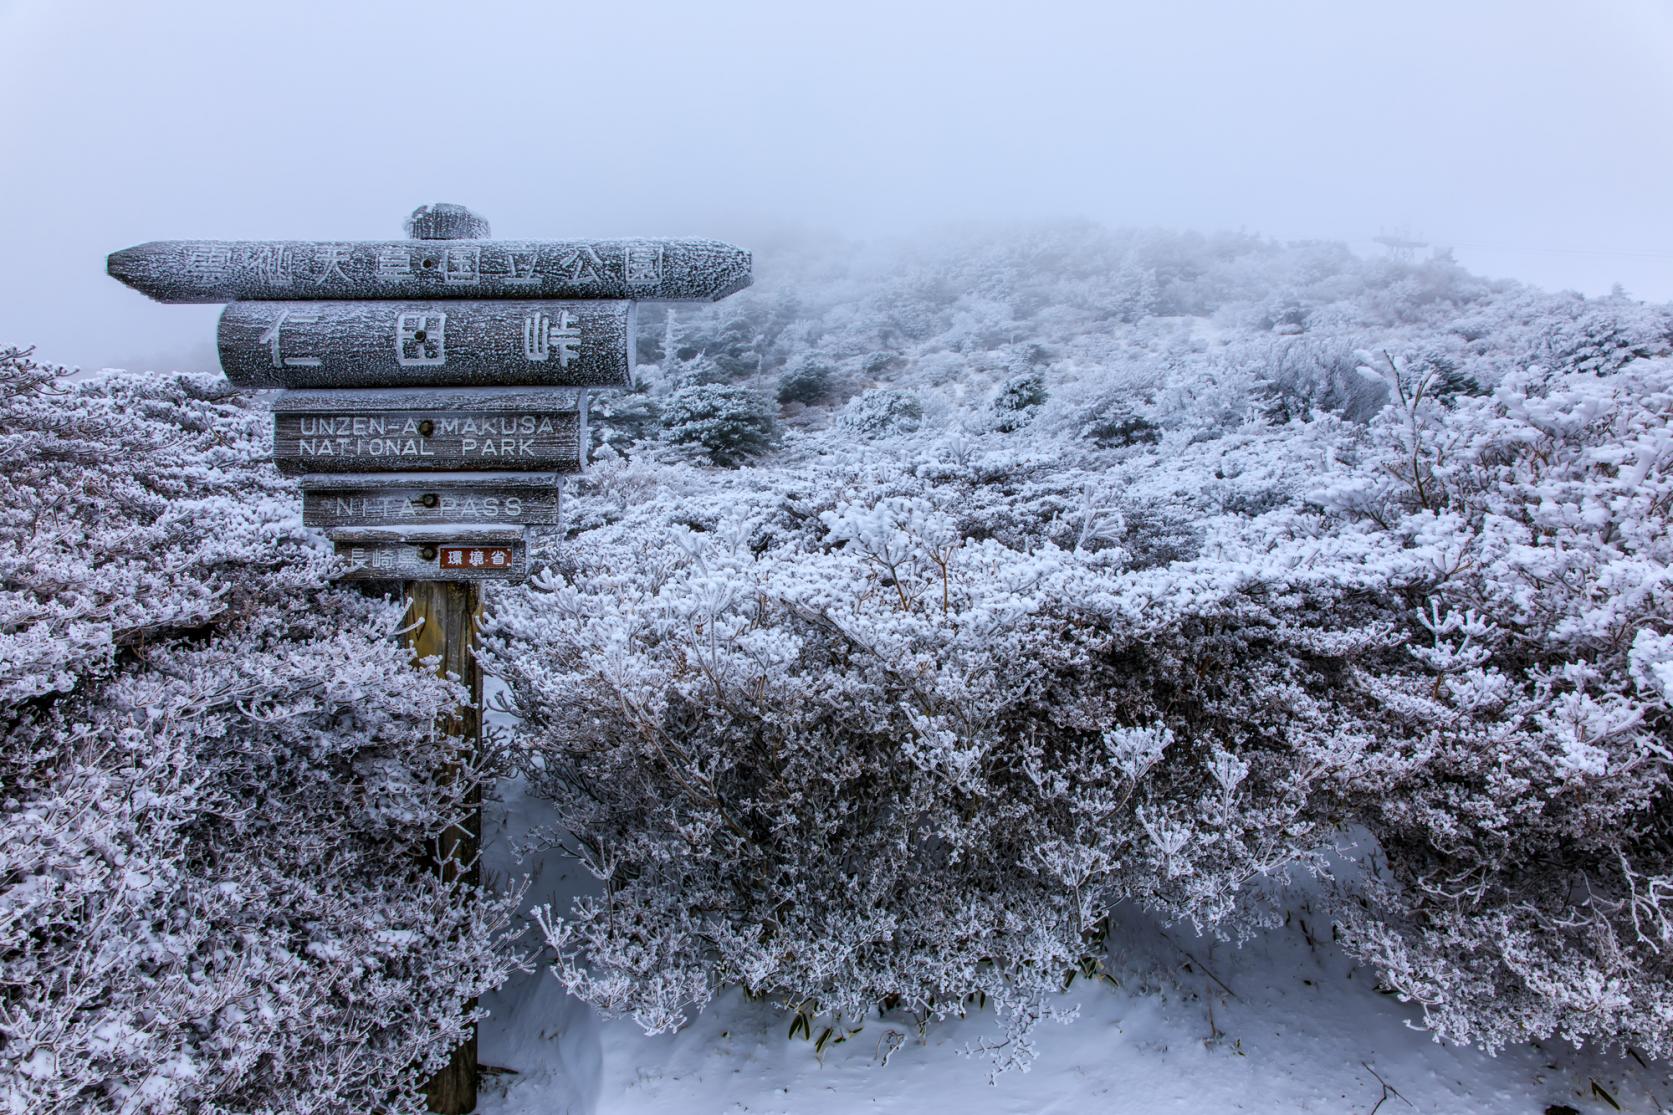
[1636, 253]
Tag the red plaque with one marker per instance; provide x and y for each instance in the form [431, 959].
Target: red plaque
[474, 557]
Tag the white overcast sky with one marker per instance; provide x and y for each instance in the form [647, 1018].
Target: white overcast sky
[1533, 136]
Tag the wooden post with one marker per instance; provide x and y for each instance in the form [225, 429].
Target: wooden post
[442, 622]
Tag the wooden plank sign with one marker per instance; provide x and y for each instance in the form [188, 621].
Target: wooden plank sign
[416, 344]
[241, 270]
[495, 430]
[436, 553]
[420, 499]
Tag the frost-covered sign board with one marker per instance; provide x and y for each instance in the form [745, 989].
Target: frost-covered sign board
[290, 270]
[431, 498]
[436, 387]
[423, 430]
[411, 344]
[438, 553]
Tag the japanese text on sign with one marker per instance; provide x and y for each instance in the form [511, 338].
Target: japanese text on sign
[475, 557]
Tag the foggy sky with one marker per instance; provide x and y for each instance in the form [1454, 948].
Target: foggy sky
[1532, 136]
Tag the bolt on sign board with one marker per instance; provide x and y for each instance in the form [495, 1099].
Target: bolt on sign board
[434, 388]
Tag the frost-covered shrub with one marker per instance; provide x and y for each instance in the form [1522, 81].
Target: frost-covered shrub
[215, 780]
[834, 750]
[1521, 796]
[1017, 400]
[624, 418]
[1113, 423]
[1299, 378]
[1602, 335]
[881, 411]
[729, 425]
[1137, 294]
[807, 383]
[882, 363]
[903, 733]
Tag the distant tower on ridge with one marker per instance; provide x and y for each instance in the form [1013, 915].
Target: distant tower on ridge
[1402, 243]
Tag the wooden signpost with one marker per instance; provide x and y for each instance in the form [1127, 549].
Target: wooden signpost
[436, 394]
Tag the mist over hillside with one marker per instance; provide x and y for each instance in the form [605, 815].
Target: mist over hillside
[1177, 327]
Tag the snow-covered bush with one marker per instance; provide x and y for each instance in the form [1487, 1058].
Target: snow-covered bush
[836, 750]
[1111, 422]
[1594, 335]
[1299, 378]
[727, 424]
[807, 383]
[1017, 400]
[624, 419]
[1521, 796]
[215, 780]
[880, 411]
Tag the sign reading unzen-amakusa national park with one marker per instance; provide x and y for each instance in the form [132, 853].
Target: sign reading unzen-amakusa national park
[488, 429]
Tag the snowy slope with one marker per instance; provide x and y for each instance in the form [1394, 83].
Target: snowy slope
[1283, 1024]
[1162, 392]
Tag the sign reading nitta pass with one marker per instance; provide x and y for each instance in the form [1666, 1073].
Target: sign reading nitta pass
[430, 498]
[241, 270]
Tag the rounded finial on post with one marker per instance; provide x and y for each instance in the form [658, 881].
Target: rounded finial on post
[446, 221]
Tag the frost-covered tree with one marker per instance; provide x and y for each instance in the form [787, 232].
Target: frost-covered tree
[809, 382]
[882, 411]
[729, 425]
[624, 419]
[216, 779]
[1113, 422]
[1016, 402]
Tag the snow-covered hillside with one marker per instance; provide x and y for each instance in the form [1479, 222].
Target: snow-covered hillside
[936, 614]
[1261, 652]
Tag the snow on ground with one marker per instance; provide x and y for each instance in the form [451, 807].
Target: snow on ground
[1284, 1024]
